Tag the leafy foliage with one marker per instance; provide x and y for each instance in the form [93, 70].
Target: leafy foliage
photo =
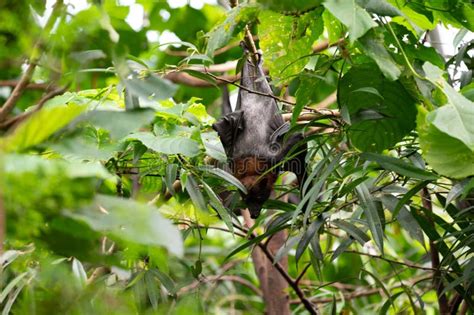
[115, 193]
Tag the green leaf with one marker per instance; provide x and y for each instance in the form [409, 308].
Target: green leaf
[9, 287]
[407, 196]
[152, 288]
[120, 123]
[373, 45]
[170, 176]
[404, 217]
[283, 251]
[310, 233]
[18, 164]
[165, 280]
[256, 240]
[437, 146]
[352, 230]
[40, 126]
[379, 7]
[225, 176]
[167, 144]
[236, 20]
[290, 6]
[78, 271]
[456, 117]
[217, 204]
[370, 210]
[399, 166]
[195, 193]
[128, 220]
[288, 55]
[148, 86]
[357, 20]
[393, 107]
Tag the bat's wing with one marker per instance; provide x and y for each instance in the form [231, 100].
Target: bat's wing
[228, 127]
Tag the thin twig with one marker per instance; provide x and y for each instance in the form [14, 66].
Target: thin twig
[406, 264]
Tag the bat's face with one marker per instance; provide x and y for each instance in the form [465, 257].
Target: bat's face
[258, 191]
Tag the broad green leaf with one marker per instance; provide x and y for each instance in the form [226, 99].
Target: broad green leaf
[373, 45]
[120, 123]
[236, 20]
[378, 120]
[287, 55]
[399, 166]
[131, 221]
[213, 146]
[379, 7]
[293, 6]
[167, 144]
[352, 230]
[446, 155]
[40, 126]
[357, 20]
[456, 117]
[17, 164]
[147, 86]
[372, 215]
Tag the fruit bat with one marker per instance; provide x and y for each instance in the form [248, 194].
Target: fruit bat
[256, 139]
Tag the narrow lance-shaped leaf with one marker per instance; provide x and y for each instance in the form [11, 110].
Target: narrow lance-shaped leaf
[370, 210]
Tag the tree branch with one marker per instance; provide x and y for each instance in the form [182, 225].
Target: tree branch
[29, 86]
[26, 77]
[307, 304]
[17, 119]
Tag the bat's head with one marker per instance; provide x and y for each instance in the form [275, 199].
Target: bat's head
[258, 191]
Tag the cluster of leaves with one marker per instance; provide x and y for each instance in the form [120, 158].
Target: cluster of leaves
[89, 181]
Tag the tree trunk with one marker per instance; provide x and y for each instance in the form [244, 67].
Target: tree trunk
[274, 287]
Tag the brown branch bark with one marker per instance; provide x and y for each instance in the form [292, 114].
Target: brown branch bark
[272, 283]
[263, 249]
[17, 119]
[18, 90]
[189, 80]
[29, 86]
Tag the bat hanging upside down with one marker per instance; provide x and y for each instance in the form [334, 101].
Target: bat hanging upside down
[254, 138]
